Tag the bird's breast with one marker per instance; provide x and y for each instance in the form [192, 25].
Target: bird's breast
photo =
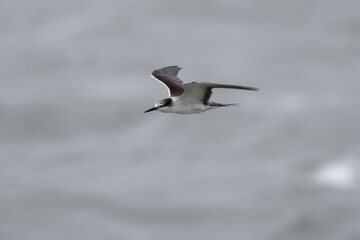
[185, 109]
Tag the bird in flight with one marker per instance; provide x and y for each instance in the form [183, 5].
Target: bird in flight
[187, 97]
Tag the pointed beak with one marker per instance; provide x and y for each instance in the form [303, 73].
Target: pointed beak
[151, 109]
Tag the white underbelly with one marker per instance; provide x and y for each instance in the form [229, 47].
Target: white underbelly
[185, 109]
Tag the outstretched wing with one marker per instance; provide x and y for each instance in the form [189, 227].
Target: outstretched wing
[168, 77]
[201, 91]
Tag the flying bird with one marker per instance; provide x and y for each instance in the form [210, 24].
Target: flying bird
[187, 97]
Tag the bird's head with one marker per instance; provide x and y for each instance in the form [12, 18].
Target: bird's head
[160, 104]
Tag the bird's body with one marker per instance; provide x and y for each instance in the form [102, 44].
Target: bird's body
[180, 108]
[187, 97]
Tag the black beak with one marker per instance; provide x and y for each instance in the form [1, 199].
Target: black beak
[151, 109]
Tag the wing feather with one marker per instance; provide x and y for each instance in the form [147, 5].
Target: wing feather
[168, 77]
[201, 91]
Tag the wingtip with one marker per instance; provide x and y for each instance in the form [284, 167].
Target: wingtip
[173, 66]
[169, 70]
[252, 88]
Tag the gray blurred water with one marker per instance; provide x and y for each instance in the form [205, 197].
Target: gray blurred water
[80, 160]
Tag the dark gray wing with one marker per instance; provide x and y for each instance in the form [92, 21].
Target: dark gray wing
[168, 77]
[201, 91]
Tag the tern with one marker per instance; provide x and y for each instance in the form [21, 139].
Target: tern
[187, 97]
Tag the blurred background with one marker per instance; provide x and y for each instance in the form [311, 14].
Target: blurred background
[80, 160]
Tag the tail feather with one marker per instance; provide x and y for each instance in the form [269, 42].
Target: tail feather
[215, 85]
[214, 104]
